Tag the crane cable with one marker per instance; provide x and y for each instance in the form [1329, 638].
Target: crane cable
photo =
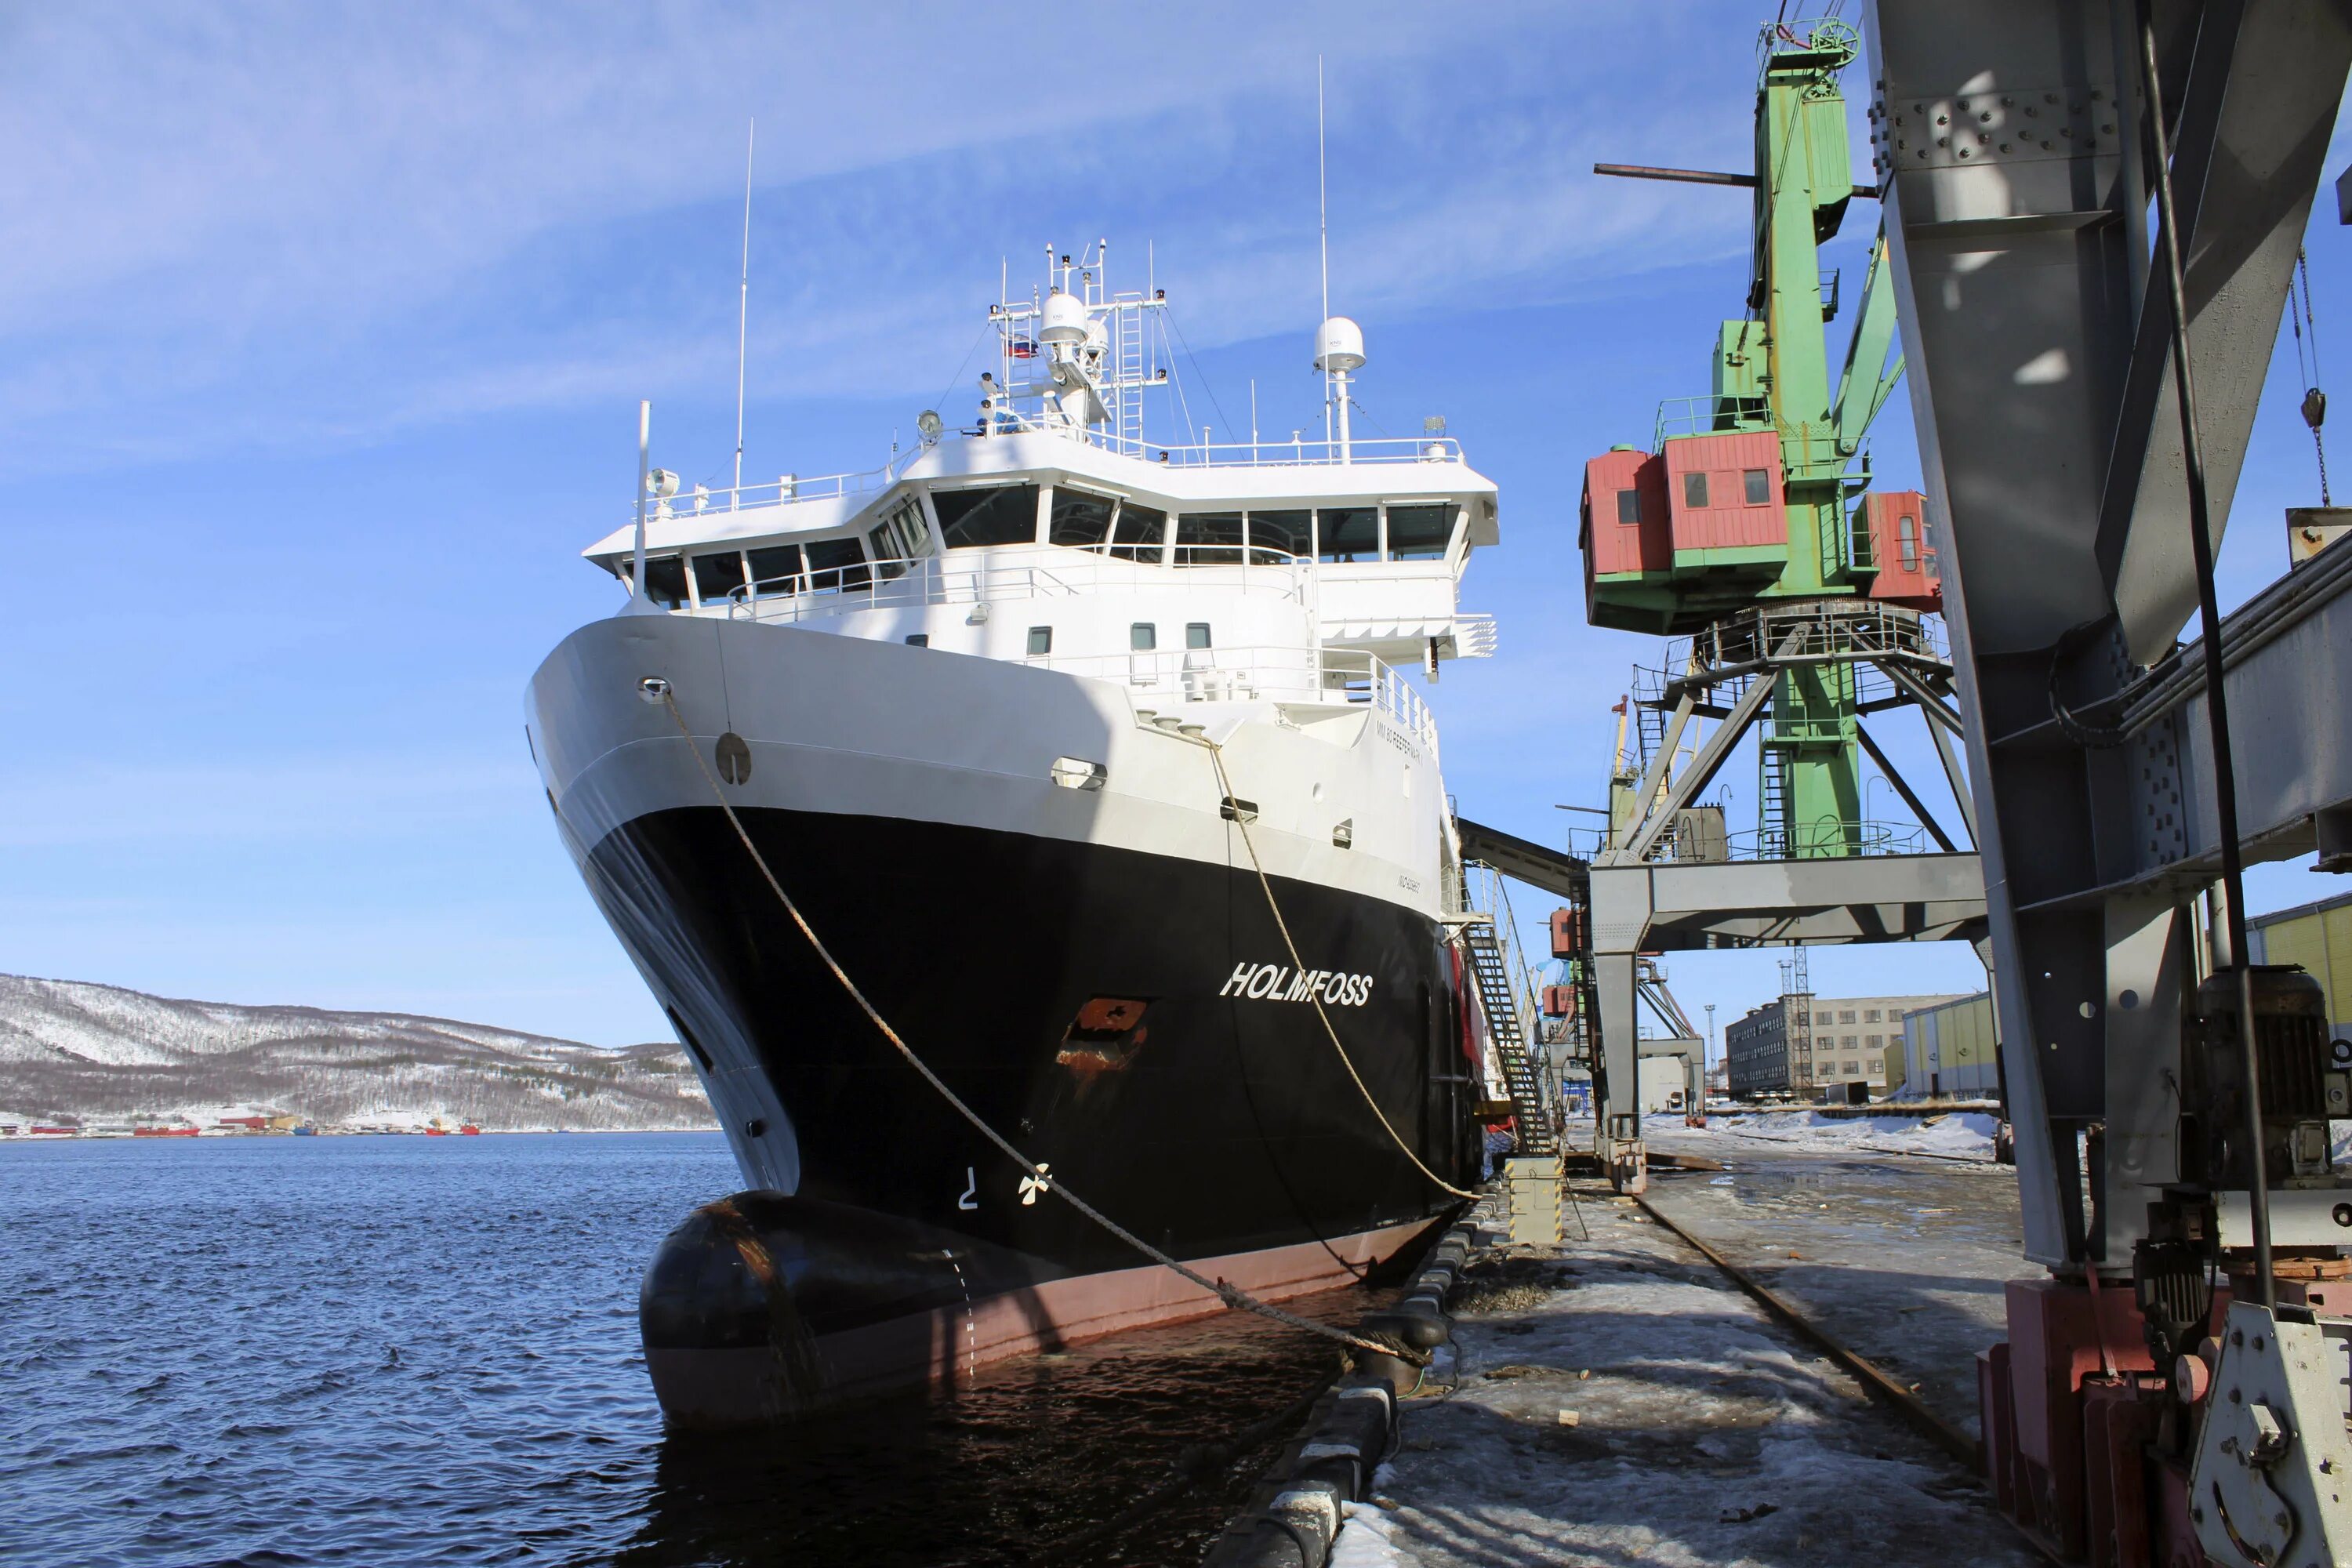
[1036, 1175]
[2315, 402]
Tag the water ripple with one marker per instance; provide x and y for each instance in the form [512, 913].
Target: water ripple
[387, 1352]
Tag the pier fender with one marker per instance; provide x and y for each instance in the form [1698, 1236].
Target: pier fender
[1422, 1330]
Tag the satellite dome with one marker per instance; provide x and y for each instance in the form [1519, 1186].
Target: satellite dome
[1340, 345]
[1066, 319]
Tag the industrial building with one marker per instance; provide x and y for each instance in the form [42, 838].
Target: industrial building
[2318, 937]
[1794, 1044]
[1949, 1051]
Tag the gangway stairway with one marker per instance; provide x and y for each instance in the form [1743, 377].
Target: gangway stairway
[1494, 977]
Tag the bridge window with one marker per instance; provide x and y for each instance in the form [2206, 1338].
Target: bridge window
[901, 536]
[1419, 532]
[1196, 634]
[1142, 637]
[1209, 539]
[1139, 532]
[1349, 533]
[991, 514]
[715, 575]
[836, 564]
[665, 578]
[1290, 532]
[1041, 641]
[772, 568]
[1078, 519]
[1694, 490]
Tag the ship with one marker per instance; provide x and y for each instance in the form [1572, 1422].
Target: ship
[1102, 769]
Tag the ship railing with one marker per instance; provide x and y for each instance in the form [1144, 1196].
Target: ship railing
[1297, 452]
[963, 579]
[1268, 673]
[779, 491]
[891, 584]
[1247, 569]
[1711, 413]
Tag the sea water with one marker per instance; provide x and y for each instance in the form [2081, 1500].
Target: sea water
[389, 1351]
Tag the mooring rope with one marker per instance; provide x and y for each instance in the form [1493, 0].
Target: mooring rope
[1225, 787]
[1037, 1176]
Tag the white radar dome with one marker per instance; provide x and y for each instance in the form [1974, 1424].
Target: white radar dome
[1340, 345]
[1066, 319]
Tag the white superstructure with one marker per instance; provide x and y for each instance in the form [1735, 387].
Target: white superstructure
[1050, 531]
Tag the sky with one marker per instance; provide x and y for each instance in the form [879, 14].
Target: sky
[322, 330]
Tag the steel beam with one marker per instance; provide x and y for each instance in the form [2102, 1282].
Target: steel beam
[2041, 389]
[1556, 872]
[1657, 815]
[1681, 906]
[1893, 775]
[2250, 134]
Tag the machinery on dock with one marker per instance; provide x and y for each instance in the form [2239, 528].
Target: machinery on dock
[2091, 216]
[2094, 213]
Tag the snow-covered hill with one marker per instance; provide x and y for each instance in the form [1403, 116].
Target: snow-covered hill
[97, 1053]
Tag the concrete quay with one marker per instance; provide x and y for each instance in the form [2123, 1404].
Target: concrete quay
[1616, 1399]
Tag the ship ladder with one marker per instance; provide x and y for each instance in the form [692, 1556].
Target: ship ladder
[1494, 976]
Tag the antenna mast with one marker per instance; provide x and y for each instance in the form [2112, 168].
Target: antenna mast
[743, 310]
[1323, 234]
[645, 442]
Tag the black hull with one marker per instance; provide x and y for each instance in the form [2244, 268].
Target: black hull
[1214, 1126]
[1222, 1124]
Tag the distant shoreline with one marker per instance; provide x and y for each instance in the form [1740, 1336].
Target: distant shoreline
[7, 1140]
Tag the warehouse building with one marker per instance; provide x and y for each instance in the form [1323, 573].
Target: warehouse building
[2319, 937]
[1949, 1051]
[1800, 1045]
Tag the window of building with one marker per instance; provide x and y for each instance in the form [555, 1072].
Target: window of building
[1078, 519]
[990, 514]
[1196, 634]
[1629, 507]
[1694, 490]
[1846, 1015]
[775, 567]
[714, 575]
[1209, 539]
[1875, 1041]
[1142, 637]
[1419, 532]
[1870, 1015]
[918, 639]
[1041, 641]
[1347, 534]
[1288, 532]
[1852, 1067]
[1849, 1042]
[665, 578]
[1907, 540]
[836, 564]
[1823, 1018]
[1758, 487]
[1140, 533]
[901, 536]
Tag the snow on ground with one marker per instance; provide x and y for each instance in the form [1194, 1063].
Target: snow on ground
[1644, 1410]
[1960, 1134]
[1965, 1134]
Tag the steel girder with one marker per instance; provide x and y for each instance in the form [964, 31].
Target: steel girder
[2011, 149]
